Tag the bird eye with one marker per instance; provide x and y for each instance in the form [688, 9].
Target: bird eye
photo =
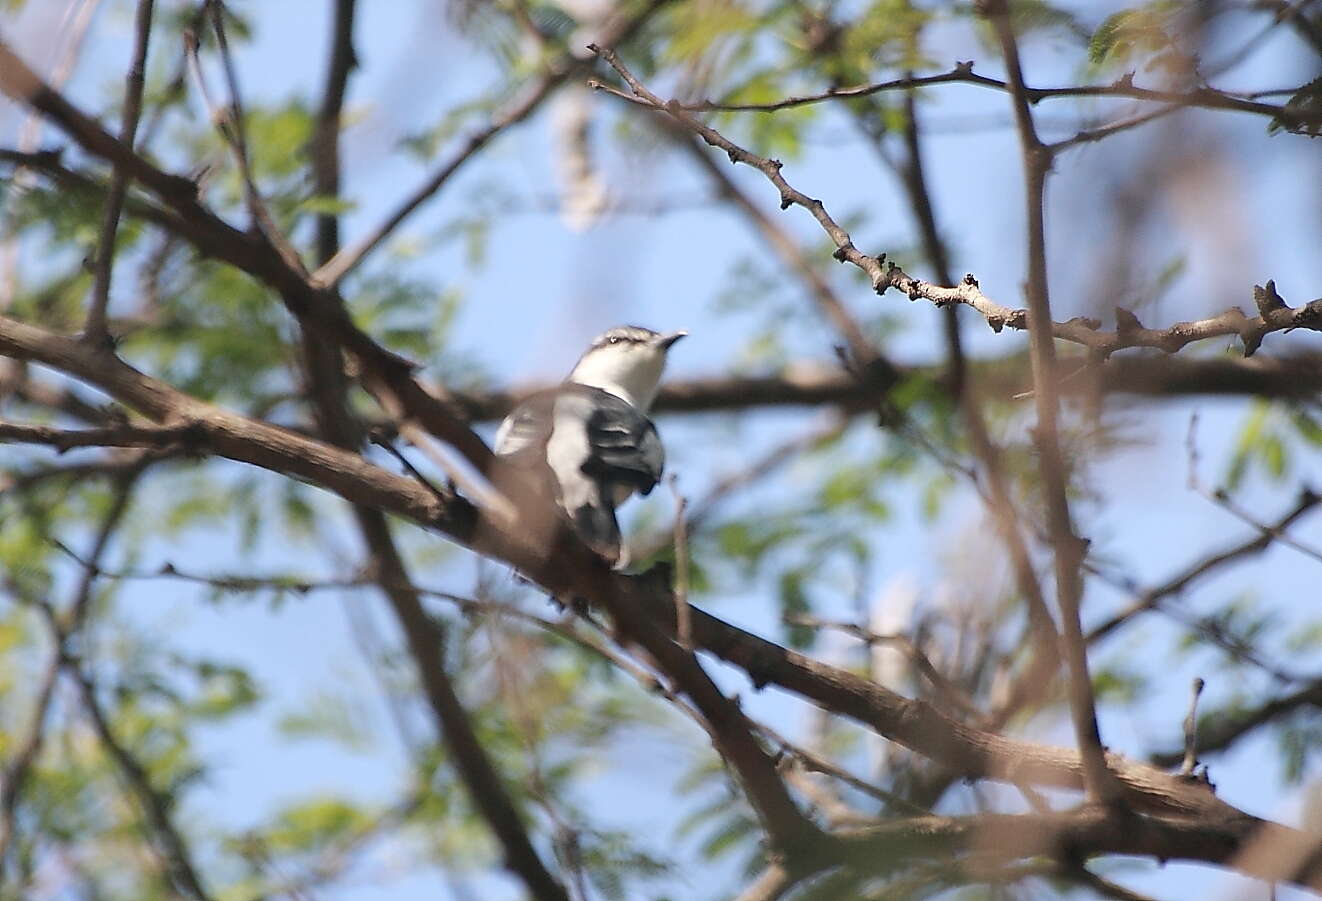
[614, 339]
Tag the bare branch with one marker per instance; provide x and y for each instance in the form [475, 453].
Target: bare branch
[110, 436]
[1274, 314]
[1152, 597]
[171, 845]
[962, 73]
[333, 271]
[27, 745]
[324, 149]
[426, 644]
[1068, 548]
[1218, 732]
[1191, 732]
[230, 121]
[95, 328]
[945, 689]
[683, 627]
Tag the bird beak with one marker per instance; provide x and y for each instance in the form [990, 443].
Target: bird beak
[664, 341]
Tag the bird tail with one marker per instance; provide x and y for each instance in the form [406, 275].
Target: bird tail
[594, 521]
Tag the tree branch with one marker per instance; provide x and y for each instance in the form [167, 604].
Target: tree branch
[962, 73]
[623, 26]
[1068, 548]
[155, 807]
[95, 328]
[1218, 731]
[1152, 597]
[638, 605]
[1274, 314]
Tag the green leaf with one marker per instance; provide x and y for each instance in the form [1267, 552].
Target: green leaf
[794, 602]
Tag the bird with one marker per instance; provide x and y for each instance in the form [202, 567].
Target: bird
[589, 440]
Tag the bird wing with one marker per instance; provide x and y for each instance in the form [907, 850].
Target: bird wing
[523, 434]
[598, 449]
[625, 448]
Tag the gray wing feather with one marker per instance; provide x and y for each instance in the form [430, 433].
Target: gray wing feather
[625, 446]
[597, 449]
[524, 432]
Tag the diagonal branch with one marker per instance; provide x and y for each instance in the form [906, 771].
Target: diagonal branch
[27, 746]
[1152, 597]
[619, 29]
[231, 122]
[327, 385]
[154, 805]
[95, 328]
[643, 611]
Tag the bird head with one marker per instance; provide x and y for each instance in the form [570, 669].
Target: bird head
[626, 361]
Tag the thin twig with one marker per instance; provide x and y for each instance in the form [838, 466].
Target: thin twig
[1222, 499]
[1274, 314]
[683, 624]
[1152, 597]
[948, 691]
[95, 327]
[818, 764]
[1098, 132]
[331, 273]
[1218, 732]
[233, 127]
[963, 73]
[27, 745]
[168, 841]
[1191, 731]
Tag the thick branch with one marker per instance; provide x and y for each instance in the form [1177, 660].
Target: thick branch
[1087, 833]
[638, 605]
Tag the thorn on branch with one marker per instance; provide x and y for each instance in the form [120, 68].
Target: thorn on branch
[1267, 300]
[1126, 322]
